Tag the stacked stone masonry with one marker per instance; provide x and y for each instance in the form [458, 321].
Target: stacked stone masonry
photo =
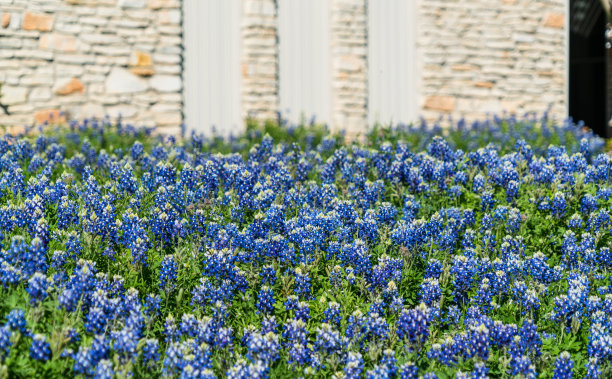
[91, 58]
[349, 65]
[480, 57]
[260, 59]
[64, 59]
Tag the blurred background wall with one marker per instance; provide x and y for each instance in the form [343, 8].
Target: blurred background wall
[347, 63]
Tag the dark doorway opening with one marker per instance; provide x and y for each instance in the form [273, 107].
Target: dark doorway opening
[588, 84]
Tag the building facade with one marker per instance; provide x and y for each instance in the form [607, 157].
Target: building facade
[212, 63]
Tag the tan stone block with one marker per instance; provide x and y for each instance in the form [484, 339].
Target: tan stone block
[484, 84]
[546, 73]
[37, 21]
[143, 71]
[141, 64]
[142, 59]
[554, 20]
[6, 20]
[440, 103]
[68, 87]
[462, 67]
[158, 4]
[52, 116]
[57, 41]
[168, 119]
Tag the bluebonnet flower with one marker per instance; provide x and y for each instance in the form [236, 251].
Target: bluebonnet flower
[265, 347]
[433, 269]
[16, 320]
[512, 190]
[479, 341]
[571, 306]
[152, 305]
[480, 371]
[302, 284]
[463, 269]
[137, 150]
[389, 362]
[593, 369]
[268, 275]
[413, 325]
[487, 201]
[386, 213]
[328, 340]
[40, 348]
[134, 237]
[522, 365]
[588, 204]
[168, 274]
[430, 292]
[558, 204]
[244, 370]
[188, 325]
[408, 371]
[564, 366]
[5, 341]
[265, 300]
[104, 370]
[332, 314]
[294, 332]
[354, 365]
[302, 312]
[335, 276]
[38, 286]
[83, 362]
[379, 371]
[171, 330]
[124, 343]
[96, 320]
[150, 352]
[73, 245]
[377, 328]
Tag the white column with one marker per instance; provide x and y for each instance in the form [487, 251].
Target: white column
[304, 60]
[212, 72]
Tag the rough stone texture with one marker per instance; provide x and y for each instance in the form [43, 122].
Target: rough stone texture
[5, 20]
[51, 116]
[90, 58]
[259, 60]
[141, 64]
[440, 103]
[477, 58]
[349, 65]
[37, 21]
[56, 41]
[554, 20]
[121, 81]
[69, 86]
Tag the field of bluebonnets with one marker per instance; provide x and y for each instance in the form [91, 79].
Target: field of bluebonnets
[286, 252]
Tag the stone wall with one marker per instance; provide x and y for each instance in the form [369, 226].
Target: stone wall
[260, 59]
[82, 58]
[349, 65]
[479, 57]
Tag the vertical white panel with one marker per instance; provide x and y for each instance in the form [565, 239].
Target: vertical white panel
[211, 66]
[392, 62]
[304, 59]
